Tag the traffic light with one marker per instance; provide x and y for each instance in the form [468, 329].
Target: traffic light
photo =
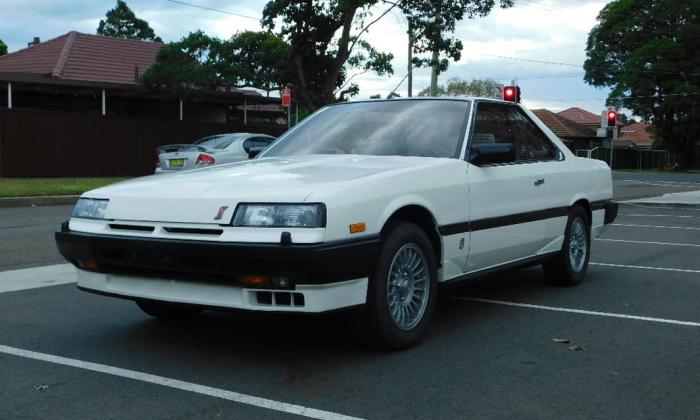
[511, 94]
[612, 117]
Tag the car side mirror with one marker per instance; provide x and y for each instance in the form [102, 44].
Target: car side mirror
[254, 151]
[488, 153]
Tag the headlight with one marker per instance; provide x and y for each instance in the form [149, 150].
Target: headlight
[280, 215]
[90, 208]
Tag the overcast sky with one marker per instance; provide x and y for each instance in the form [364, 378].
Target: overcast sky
[544, 30]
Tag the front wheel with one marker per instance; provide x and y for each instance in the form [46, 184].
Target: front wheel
[569, 267]
[402, 292]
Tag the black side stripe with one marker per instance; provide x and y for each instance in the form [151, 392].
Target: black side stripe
[512, 219]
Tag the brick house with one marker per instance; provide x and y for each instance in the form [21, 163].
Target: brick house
[95, 74]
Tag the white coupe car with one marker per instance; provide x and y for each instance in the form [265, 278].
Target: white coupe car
[371, 204]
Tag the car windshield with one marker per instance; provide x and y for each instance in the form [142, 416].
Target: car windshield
[421, 127]
[219, 141]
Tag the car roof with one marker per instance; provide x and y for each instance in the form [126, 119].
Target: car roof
[430, 98]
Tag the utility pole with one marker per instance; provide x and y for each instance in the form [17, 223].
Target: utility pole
[436, 52]
[410, 59]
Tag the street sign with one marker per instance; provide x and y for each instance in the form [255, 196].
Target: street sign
[286, 98]
[602, 132]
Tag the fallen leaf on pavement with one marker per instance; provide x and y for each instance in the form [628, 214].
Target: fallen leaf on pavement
[560, 340]
[41, 387]
[577, 348]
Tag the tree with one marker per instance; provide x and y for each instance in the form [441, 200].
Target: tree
[255, 59]
[200, 63]
[484, 88]
[646, 51]
[433, 21]
[325, 45]
[184, 68]
[3, 48]
[121, 22]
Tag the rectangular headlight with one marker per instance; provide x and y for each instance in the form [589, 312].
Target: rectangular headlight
[90, 208]
[280, 215]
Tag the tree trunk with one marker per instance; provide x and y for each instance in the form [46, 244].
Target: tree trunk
[434, 73]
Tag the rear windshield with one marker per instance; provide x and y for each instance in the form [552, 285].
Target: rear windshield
[430, 128]
[219, 141]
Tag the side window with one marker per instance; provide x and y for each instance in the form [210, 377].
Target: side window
[497, 123]
[493, 125]
[531, 142]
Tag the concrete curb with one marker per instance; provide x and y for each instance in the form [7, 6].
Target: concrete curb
[51, 200]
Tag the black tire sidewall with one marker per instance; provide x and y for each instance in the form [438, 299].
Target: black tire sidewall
[387, 334]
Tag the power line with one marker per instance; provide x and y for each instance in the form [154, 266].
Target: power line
[531, 60]
[213, 9]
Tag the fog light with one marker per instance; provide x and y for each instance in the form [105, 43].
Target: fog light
[256, 282]
[89, 265]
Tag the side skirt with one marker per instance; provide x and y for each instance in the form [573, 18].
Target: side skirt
[521, 263]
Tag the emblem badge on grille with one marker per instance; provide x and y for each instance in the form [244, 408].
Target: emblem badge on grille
[221, 212]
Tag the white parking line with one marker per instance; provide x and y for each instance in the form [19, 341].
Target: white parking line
[643, 267]
[579, 311]
[656, 215]
[655, 226]
[177, 384]
[30, 278]
[646, 242]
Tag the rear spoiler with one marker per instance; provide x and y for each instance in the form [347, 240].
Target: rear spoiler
[169, 148]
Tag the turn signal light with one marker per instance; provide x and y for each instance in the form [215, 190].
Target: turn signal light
[203, 159]
[358, 227]
[256, 282]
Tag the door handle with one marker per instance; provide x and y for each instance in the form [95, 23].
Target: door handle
[539, 182]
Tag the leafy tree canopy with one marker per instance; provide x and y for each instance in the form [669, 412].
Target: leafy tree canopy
[121, 22]
[325, 42]
[3, 48]
[647, 52]
[433, 23]
[484, 88]
[199, 62]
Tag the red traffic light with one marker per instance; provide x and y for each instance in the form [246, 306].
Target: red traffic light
[511, 93]
[612, 118]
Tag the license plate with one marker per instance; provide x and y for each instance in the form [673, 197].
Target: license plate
[177, 163]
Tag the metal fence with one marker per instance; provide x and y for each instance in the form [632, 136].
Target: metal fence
[629, 158]
[62, 144]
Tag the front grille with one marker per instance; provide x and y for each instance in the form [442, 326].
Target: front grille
[194, 231]
[137, 228]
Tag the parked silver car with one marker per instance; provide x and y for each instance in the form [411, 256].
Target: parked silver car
[211, 150]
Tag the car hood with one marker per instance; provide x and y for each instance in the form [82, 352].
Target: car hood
[196, 196]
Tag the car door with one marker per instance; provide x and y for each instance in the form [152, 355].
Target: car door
[508, 189]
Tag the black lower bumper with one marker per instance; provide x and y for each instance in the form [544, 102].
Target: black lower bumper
[210, 261]
[611, 208]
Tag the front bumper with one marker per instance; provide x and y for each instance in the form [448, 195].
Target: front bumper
[207, 272]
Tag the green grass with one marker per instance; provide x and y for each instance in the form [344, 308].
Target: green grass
[28, 187]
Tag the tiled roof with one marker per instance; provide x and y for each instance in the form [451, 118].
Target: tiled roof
[581, 116]
[84, 58]
[635, 133]
[562, 126]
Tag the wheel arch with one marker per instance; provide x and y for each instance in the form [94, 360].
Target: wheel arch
[583, 202]
[424, 218]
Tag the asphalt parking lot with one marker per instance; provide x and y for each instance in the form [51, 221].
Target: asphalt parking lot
[633, 331]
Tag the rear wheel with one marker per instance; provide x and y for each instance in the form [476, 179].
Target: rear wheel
[169, 311]
[569, 267]
[402, 292]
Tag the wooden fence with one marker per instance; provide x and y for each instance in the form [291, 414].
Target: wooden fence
[62, 144]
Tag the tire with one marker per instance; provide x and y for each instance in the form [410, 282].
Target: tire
[569, 267]
[169, 311]
[400, 305]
